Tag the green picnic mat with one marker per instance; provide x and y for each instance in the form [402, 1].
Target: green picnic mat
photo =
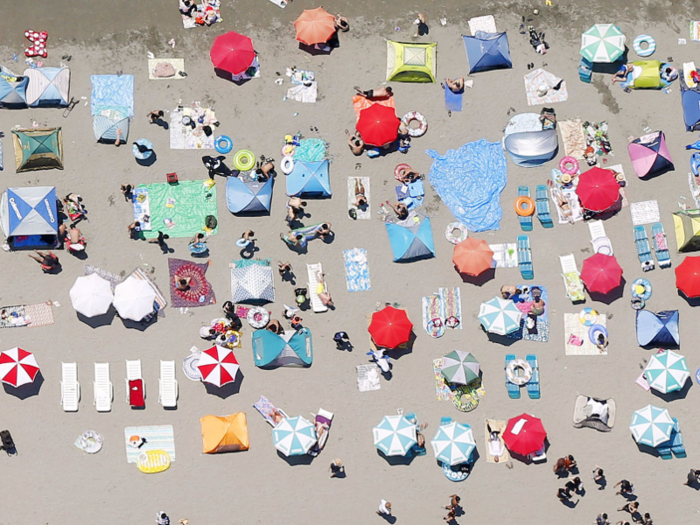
[186, 204]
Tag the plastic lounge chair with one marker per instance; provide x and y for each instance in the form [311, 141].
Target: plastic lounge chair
[324, 419]
[643, 249]
[677, 440]
[267, 410]
[664, 450]
[585, 70]
[660, 246]
[103, 389]
[533, 386]
[542, 206]
[525, 258]
[167, 385]
[512, 388]
[572, 279]
[316, 303]
[70, 388]
[135, 386]
[583, 418]
[600, 241]
[525, 222]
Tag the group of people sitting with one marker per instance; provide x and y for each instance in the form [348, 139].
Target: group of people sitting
[206, 14]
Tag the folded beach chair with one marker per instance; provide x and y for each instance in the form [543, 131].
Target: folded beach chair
[542, 206]
[533, 386]
[572, 279]
[70, 388]
[323, 421]
[677, 440]
[660, 246]
[643, 249]
[103, 390]
[135, 386]
[525, 258]
[525, 221]
[167, 385]
[513, 389]
[316, 303]
[601, 243]
[267, 410]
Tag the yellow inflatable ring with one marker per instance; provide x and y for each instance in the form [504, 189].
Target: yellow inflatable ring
[588, 316]
[524, 206]
[516, 379]
[418, 117]
[288, 150]
[153, 461]
[244, 160]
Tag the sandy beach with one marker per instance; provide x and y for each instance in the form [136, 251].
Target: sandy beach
[53, 482]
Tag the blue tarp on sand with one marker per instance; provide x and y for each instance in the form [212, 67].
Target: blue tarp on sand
[470, 180]
[112, 91]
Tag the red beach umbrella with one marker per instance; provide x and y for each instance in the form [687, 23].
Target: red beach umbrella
[232, 52]
[688, 277]
[524, 434]
[218, 366]
[18, 367]
[598, 189]
[601, 273]
[315, 26]
[378, 125]
[472, 256]
[390, 327]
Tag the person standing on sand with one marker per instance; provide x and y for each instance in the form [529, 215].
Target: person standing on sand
[626, 488]
[384, 508]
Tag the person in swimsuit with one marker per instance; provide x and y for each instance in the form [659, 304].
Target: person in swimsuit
[455, 85]
[48, 260]
[407, 175]
[360, 197]
[400, 210]
[294, 239]
[295, 209]
[386, 92]
[341, 23]
[355, 142]
[322, 292]
[324, 230]
[182, 283]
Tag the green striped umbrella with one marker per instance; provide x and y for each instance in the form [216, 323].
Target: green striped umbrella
[603, 43]
[460, 367]
[499, 316]
[651, 426]
[667, 372]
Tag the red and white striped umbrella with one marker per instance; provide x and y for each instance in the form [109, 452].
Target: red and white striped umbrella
[218, 366]
[18, 367]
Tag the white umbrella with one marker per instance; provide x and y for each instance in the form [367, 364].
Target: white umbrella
[91, 295]
[133, 299]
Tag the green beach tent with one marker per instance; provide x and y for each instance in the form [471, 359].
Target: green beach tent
[410, 62]
[38, 149]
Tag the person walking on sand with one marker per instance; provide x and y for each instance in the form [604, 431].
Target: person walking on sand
[155, 115]
[127, 190]
[451, 514]
[630, 507]
[454, 501]
[598, 475]
[341, 339]
[626, 488]
[160, 241]
[384, 508]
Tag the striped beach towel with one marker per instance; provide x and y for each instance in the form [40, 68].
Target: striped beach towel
[452, 301]
[158, 437]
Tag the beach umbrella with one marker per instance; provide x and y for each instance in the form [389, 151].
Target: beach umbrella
[667, 372]
[472, 256]
[601, 273]
[460, 367]
[688, 277]
[232, 52]
[390, 327]
[394, 435]
[294, 436]
[651, 426]
[315, 26]
[378, 125]
[91, 295]
[218, 366]
[602, 43]
[18, 367]
[598, 189]
[524, 434]
[133, 298]
[453, 443]
[499, 316]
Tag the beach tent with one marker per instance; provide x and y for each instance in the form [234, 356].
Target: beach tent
[292, 348]
[48, 86]
[411, 240]
[309, 179]
[658, 329]
[410, 61]
[105, 129]
[38, 149]
[13, 89]
[248, 196]
[646, 75]
[650, 155]
[687, 227]
[487, 51]
[29, 212]
[527, 143]
[224, 433]
[690, 99]
[252, 282]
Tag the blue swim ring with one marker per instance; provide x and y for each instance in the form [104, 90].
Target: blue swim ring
[637, 46]
[597, 328]
[223, 144]
[453, 475]
[646, 294]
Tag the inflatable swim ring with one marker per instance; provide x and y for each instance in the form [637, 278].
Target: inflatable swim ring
[637, 303]
[288, 150]
[588, 316]
[435, 328]
[258, 317]
[418, 117]
[456, 232]
[594, 329]
[153, 461]
[244, 160]
[637, 45]
[398, 170]
[287, 164]
[568, 166]
[641, 288]
[524, 206]
[452, 474]
[223, 144]
[516, 379]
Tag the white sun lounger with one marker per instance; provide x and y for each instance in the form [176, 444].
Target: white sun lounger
[103, 390]
[316, 303]
[600, 241]
[572, 279]
[70, 388]
[167, 385]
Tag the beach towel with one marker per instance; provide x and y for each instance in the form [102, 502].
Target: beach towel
[357, 270]
[267, 410]
[13, 317]
[573, 138]
[306, 93]
[645, 212]
[158, 437]
[486, 24]
[568, 193]
[452, 301]
[574, 327]
[695, 31]
[186, 137]
[159, 301]
[365, 214]
[433, 315]
[312, 271]
[199, 292]
[453, 101]
[541, 79]
[359, 103]
[504, 255]
[496, 426]
[142, 208]
[112, 95]
[177, 63]
[368, 377]
[539, 331]
[596, 134]
[311, 150]
[39, 314]
[113, 278]
[466, 398]
[442, 391]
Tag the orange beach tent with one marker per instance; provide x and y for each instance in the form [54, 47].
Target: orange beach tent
[225, 433]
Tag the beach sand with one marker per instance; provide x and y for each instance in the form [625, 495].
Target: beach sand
[53, 482]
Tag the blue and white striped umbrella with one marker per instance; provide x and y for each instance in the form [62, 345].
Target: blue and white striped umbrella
[394, 435]
[500, 316]
[667, 372]
[453, 443]
[294, 436]
[651, 426]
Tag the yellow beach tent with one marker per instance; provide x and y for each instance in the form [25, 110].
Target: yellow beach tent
[410, 62]
[687, 227]
[225, 433]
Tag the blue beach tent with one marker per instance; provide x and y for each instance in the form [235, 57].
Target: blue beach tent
[487, 51]
[411, 239]
[690, 99]
[309, 179]
[13, 89]
[26, 214]
[248, 196]
[658, 329]
[292, 348]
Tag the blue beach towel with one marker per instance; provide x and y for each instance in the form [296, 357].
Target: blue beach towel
[357, 270]
[453, 101]
[112, 92]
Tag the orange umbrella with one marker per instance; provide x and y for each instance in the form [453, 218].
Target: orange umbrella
[315, 26]
[472, 256]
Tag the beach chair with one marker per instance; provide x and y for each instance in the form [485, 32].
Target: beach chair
[512, 388]
[572, 279]
[322, 421]
[415, 449]
[660, 247]
[664, 450]
[585, 70]
[533, 386]
[542, 206]
[677, 440]
[600, 241]
[643, 249]
[167, 385]
[316, 303]
[267, 410]
[103, 389]
[525, 258]
[135, 386]
[525, 221]
[70, 388]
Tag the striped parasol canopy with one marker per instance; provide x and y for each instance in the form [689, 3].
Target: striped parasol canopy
[453, 443]
[394, 435]
[667, 372]
[602, 43]
[460, 367]
[500, 316]
[294, 436]
[651, 426]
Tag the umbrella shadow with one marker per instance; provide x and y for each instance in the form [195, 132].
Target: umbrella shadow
[692, 301]
[403, 349]
[226, 75]
[25, 391]
[613, 295]
[98, 320]
[228, 389]
[479, 280]
[149, 161]
[293, 461]
[653, 451]
[315, 51]
[141, 325]
[397, 460]
[673, 396]
[500, 339]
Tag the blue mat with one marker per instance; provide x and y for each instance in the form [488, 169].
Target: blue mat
[356, 270]
[310, 150]
[112, 91]
[470, 181]
[453, 101]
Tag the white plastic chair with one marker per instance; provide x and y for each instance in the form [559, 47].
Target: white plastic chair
[70, 388]
[600, 241]
[103, 389]
[167, 385]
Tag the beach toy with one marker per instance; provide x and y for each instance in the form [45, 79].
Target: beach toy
[695, 164]
[641, 288]
[456, 232]
[435, 328]
[145, 143]
[697, 376]
[153, 461]
[588, 316]
[258, 317]
[519, 379]
[597, 328]
[244, 160]
[524, 206]
[637, 303]
[412, 116]
[223, 144]
[399, 169]
[644, 39]
[38, 39]
[568, 166]
[242, 243]
[288, 150]
[287, 164]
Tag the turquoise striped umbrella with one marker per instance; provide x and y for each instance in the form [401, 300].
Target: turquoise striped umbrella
[394, 435]
[294, 436]
[499, 316]
[651, 426]
[602, 43]
[453, 443]
[667, 372]
[460, 367]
